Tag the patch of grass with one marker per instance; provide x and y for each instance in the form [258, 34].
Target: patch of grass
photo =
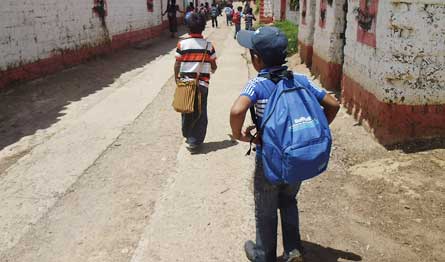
[257, 7]
[291, 31]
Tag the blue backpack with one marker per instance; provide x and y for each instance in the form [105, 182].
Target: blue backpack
[295, 134]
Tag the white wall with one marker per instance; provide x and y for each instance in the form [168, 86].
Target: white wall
[276, 5]
[408, 64]
[38, 29]
[268, 8]
[306, 32]
[328, 43]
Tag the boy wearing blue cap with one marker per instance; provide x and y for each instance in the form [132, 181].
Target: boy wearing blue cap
[268, 50]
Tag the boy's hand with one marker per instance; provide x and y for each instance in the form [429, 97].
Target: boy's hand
[246, 135]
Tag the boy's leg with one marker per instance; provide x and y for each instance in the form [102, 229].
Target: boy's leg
[266, 218]
[289, 217]
[227, 20]
[237, 28]
[195, 128]
[213, 21]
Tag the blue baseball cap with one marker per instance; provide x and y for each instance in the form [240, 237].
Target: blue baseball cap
[269, 42]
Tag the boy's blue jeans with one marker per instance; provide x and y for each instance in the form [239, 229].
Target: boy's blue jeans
[194, 126]
[237, 29]
[269, 198]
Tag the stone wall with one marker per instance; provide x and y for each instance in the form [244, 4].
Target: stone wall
[43, 36]
[306, 30]
[328, 44]
[394, 71]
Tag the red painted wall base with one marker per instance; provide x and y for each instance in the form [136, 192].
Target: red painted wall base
[305, 52]
[392, 123]
[330, 73]
[264, 19]
[72, 57]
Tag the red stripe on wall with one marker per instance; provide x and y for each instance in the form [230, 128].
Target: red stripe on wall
[392, 123]
[305, 52]
[69, 58]
[330, 73]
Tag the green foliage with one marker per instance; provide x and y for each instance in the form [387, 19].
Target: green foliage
[291, 31]
[257, 7]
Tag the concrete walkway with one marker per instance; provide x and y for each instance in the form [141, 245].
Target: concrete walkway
[205, 213]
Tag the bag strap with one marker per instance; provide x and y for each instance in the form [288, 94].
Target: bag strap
[255, 122]
[198, 74]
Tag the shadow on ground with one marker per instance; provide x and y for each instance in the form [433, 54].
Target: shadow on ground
[419, 145]
[316, 253]
[28, 107]
[215, 146]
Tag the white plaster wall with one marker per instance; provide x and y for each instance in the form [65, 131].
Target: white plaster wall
[306, 32]
[408, 64]
[328, 43]
[276, 5]
[268, 8]
[292, 16]
[38, 29]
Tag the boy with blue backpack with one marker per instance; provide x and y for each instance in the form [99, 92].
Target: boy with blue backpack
[214, 12]
[293, 140]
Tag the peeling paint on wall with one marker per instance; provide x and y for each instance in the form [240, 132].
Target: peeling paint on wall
[306, 30]
[36, 30]
[329, 40]
[407, 66]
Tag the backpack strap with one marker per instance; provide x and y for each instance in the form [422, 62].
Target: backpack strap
[257, 126]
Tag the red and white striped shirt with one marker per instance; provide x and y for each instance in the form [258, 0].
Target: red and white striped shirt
[190, 52]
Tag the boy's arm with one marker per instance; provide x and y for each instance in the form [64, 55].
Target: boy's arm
[331, 107]
[176, 68]
[213, 65]
[237, 116]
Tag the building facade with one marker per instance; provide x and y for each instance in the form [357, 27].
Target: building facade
[279, 10]
[387, 58]
[41, 37]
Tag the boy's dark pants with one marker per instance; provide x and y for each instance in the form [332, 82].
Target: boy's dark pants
[229, 19]
[194, 126]
[237, 29]
[269, 198]
[214, 21]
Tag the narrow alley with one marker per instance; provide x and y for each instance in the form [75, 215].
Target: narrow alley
[93, 167]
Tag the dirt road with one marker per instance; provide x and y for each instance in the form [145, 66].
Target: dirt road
[93, 168]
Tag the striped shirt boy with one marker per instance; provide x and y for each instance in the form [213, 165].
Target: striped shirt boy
[249, 21]
[190, 52]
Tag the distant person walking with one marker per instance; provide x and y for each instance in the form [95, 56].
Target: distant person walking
[214, 14]
[190, 53]
[237, 20]
[171, 10]
[229, 14]
[249, 17]
[188, 11]
[246, 6]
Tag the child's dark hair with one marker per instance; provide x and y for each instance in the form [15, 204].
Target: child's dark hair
[240, 8]
[196, 23]
[277, 61]
[249, 11]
